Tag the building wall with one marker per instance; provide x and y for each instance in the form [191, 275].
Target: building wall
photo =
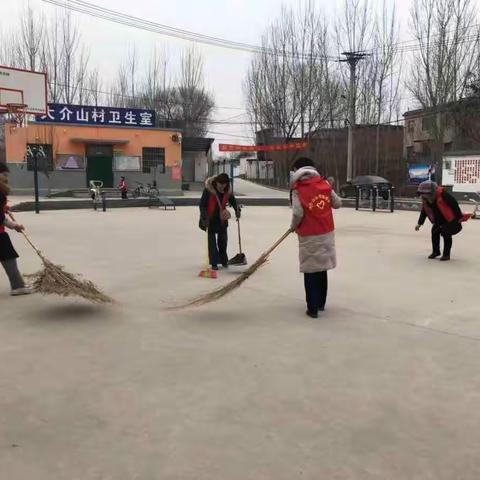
[195, 166]
[60, 137]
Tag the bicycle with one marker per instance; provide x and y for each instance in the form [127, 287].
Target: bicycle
[150, 191]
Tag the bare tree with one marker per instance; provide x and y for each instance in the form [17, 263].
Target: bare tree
[447, 37]
[192, 104]
[292, 87]
[30, 41]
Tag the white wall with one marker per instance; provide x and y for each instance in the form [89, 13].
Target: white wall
[463, 172]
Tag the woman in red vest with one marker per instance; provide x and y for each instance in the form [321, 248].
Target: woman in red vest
[312, 218]
[443, 211]
[214, 217]
[8, 255]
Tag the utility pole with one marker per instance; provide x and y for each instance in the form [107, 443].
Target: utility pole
[352, 58]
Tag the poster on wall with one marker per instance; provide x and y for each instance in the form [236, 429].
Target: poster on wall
[176, 173]
[124, 163]
[462, 173]
[420, 173]
[70, 162]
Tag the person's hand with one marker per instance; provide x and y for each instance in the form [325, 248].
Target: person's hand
[238, 214]
[18, 228]
[417, 227]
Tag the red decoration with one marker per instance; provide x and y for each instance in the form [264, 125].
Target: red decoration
[280, 147]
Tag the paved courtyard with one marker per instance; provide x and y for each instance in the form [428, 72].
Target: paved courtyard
[385, 385]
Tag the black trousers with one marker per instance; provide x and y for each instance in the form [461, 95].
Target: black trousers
[316, 287]
[124, 195]
[438, 231]
[217, 248]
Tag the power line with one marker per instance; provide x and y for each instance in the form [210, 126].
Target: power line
[130, 97]
[93, 10]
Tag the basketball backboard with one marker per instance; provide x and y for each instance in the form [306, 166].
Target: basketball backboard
[23, 87]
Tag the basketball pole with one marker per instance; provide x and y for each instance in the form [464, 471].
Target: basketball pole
[35, 179]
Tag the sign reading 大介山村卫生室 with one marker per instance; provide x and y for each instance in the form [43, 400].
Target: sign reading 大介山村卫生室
[89, 115]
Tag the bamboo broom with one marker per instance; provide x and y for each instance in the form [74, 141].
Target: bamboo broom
[229, 287]
[54, 280]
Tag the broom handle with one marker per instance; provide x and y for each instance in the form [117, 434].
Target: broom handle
[27, 238]
[277, 243]
[239, 236]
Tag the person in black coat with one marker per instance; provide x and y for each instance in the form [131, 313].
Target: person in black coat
[8, 255]
[444, 213]
[214, 217]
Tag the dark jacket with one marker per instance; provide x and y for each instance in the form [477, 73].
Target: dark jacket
[439, 218]
[212, 220]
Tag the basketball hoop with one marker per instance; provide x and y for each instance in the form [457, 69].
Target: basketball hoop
[16, 113]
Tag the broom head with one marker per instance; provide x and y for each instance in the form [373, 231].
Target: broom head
[208, 273]
[54, 280]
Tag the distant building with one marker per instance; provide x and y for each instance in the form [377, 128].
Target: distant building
[328, 149]
[196, 158]
[454, 149]
[70, 153]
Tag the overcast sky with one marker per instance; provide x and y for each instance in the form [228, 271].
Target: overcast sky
[238, 20]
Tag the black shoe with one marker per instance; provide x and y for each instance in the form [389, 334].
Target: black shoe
[445, 258]
[321, 309]
[312, 315]
[434, 255]
[214, 267]
[225, 265]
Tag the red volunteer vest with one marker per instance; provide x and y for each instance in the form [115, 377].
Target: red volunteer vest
[445, 210]
[213, 201]
[4, 208]
[315, 195]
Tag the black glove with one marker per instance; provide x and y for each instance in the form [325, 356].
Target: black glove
[238, 213]
[203, 224]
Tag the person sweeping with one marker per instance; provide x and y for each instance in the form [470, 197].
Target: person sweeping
[313, 198]
[8, 255]
[214, 217]
[444, 213]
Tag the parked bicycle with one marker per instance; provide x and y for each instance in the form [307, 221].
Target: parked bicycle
[150, 190]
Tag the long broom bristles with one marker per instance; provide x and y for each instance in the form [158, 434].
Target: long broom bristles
[229, 287]
[53, 279]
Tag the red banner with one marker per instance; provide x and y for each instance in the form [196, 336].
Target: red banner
[280, 147]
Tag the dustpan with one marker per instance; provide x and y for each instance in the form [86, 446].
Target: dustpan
[239, 258]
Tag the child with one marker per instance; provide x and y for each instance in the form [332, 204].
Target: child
[123, 188]
[8, 255]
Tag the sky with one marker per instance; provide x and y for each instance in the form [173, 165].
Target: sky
[225, 70]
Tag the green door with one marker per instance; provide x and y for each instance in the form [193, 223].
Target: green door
[100, 168]
[100, 164]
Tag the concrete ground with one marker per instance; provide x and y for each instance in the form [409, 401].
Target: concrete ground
[385, 385]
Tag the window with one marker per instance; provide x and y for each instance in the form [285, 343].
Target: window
[153, 159]
[447, 147]
[410, 153]
[411, 126]
[427, 123]
[44, 156]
